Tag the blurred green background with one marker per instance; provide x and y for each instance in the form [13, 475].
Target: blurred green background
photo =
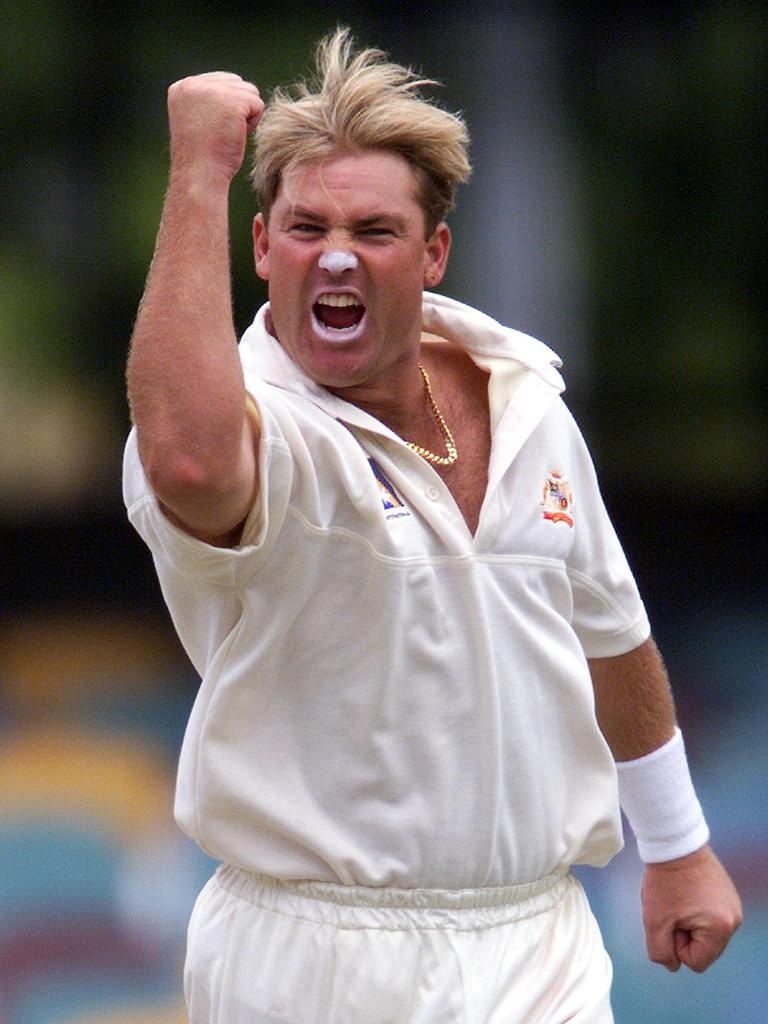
[617, 211]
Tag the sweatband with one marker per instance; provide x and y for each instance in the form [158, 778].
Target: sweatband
[657, 795]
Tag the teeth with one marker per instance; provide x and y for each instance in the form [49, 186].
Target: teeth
[331, 299]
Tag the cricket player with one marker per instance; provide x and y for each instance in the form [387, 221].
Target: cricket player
[428, 678]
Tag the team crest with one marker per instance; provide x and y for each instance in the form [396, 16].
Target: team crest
[393, 506]
[558, 499]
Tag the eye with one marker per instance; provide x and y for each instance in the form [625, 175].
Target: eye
[377, 232]
[305, 228]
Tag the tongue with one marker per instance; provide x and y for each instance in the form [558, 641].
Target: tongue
[338, 316]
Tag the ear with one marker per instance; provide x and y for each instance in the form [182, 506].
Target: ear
[261, 247]
[436, 255]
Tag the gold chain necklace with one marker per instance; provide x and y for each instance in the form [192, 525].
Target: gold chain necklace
[450, 444]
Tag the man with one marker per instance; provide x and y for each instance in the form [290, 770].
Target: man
[380, 537]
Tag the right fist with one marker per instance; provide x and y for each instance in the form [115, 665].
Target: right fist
[210, 116]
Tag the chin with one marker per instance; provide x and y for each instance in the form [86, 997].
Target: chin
[337, 364]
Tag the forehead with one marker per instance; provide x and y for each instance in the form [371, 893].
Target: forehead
[352, 181]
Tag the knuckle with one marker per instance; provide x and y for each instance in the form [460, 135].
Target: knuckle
[662, 956]
[727, 925]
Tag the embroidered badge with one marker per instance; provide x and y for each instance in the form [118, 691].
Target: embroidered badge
[393, 506]
[558, 499]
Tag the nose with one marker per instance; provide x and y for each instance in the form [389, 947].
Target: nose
[336, 262]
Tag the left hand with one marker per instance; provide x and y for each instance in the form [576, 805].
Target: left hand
[690, 910]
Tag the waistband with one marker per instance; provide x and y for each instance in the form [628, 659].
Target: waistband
[357, 906]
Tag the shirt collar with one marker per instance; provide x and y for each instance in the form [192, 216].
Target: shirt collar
[500, 350]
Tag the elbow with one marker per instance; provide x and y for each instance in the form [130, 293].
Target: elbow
[179, 478]
[206, 487]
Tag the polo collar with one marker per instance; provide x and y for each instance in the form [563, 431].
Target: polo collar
[501, 350]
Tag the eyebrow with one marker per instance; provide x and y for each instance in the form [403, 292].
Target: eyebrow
[303, 213]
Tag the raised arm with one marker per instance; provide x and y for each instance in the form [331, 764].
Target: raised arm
[690, 906]
[185, 383]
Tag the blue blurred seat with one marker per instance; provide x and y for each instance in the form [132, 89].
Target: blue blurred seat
[72, 804]
[54, 997]
[51, 868]
[62, 946]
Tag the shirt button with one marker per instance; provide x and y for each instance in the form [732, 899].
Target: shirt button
[432, 492]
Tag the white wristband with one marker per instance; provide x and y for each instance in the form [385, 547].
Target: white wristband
[657, 796]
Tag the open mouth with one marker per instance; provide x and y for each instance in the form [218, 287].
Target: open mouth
[338, 316]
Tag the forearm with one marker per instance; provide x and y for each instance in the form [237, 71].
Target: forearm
[636, 713]
[185, 384]
[184, 352]
[633, 701]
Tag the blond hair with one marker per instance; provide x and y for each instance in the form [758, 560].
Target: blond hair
[361, 101]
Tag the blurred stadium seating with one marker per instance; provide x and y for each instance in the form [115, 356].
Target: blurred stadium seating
[96, 884]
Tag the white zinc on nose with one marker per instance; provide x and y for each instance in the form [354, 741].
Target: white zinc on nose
[337, 262]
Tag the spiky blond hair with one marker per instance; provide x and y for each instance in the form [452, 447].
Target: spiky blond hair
[361, 101]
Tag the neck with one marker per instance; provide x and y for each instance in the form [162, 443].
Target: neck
[393, 401]
[411, 411]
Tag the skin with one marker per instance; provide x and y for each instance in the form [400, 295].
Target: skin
[200, 454]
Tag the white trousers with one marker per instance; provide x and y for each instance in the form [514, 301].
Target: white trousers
[267, 952]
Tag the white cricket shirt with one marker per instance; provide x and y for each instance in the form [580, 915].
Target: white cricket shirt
[386, 699]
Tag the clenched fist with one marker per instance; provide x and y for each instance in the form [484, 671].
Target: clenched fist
[690, 910]
[210, 116]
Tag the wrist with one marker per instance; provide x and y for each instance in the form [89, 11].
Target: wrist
[200, 180]
[685, 862]
[657, 796]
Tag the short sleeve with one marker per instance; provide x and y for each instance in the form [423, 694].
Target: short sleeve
[609, 616]
[192, 558]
